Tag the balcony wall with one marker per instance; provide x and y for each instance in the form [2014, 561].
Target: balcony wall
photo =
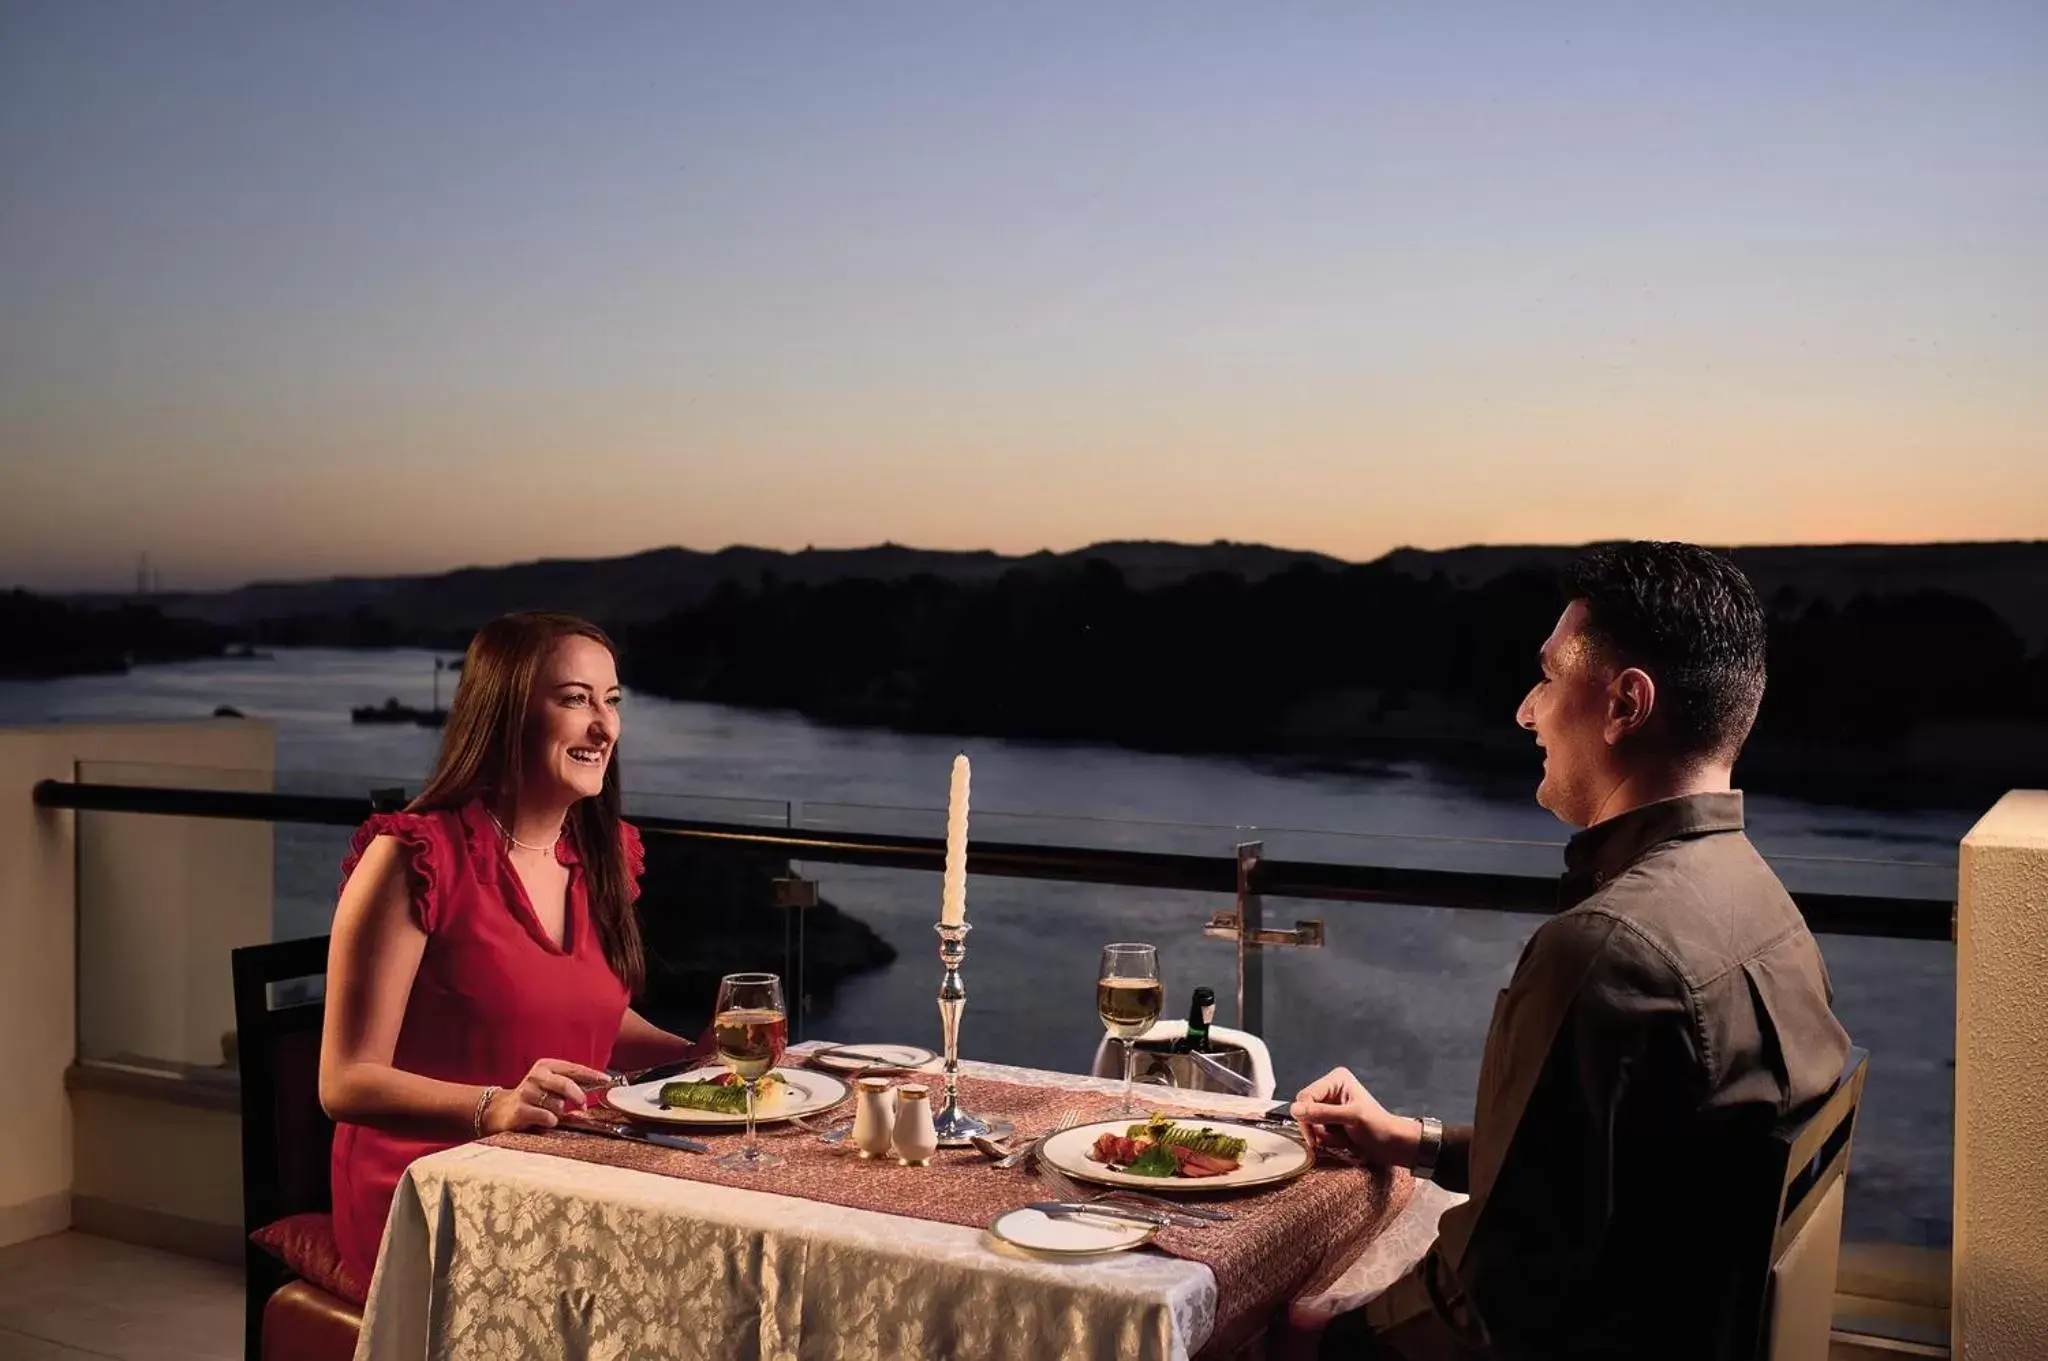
[2000, 1286]
[173, 895]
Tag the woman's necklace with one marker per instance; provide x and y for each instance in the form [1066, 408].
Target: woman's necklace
[506, 832]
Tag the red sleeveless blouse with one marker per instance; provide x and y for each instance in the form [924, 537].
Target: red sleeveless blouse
[492, 996]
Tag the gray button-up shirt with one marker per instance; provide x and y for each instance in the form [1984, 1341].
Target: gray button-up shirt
[1675, 1006]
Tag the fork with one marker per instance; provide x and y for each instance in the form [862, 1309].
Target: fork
[1068, 1119]
[1064, 1188]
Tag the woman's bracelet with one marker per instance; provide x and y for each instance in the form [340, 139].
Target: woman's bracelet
[476, 1121]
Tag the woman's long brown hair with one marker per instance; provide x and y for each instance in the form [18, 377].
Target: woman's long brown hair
[483, 757]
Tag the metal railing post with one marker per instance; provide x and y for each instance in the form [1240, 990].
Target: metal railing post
[1251, 965]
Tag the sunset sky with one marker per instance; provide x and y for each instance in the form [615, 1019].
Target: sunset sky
[291, 290]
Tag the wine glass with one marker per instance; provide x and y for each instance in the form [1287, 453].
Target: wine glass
[752, 1029]
[1128, 993]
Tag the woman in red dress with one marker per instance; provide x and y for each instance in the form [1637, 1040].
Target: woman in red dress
[485, 950]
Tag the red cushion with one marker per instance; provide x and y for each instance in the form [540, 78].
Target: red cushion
[305, 1243]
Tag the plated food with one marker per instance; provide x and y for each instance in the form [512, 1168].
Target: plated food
[725, 1094]
[712, 1096]
[1169, 1156]
[1161, 1148]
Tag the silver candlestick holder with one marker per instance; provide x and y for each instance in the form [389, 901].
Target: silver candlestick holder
[956, 1127]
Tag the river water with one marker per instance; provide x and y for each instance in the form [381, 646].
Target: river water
[1401, 994]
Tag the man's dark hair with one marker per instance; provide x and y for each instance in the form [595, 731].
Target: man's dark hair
[1691, 620]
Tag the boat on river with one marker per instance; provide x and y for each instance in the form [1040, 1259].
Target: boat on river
[391, 711]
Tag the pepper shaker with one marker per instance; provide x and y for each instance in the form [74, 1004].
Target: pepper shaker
[916, 1136]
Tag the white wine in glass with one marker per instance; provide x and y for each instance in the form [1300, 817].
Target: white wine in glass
[752, 1028]
[1128, 995]
[750, 1040]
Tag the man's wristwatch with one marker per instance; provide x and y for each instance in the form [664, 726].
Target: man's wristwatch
[1430, 1147]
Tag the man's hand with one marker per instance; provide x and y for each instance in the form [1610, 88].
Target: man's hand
[1337, 1109]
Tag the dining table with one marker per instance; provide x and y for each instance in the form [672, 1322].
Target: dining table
[565, 1244]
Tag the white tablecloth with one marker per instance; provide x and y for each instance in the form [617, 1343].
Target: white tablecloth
[492, 1253]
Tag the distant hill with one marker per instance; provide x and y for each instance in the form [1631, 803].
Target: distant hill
[1892, 666]
[49, 638]
[647, 586]
[2012, 578]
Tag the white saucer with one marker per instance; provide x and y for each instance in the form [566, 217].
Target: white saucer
[851, 1058]
[1068, 1236]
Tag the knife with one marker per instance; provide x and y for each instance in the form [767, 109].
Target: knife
[1275, 1119]
[639, 1136]
[658, 1072]
[1175, 1207]
[1064, 1210]
[855, 1055]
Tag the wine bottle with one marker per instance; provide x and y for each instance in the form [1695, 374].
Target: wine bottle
[1200, 1013]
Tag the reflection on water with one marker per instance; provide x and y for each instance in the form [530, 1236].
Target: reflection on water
[1401, 994]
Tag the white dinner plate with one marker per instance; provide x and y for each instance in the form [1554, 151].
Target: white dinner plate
[1268, 1157]
[808, 1094]
[852, 1058]
[1069, 1235]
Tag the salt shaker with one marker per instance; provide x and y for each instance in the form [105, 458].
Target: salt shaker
[916, 1138]
[874, 1117]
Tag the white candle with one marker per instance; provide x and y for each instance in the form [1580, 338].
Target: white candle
[953, 906]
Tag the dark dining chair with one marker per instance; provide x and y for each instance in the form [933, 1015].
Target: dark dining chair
[302, 1302]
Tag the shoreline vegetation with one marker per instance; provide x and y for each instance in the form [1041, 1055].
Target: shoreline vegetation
[1911, 695]
[49, 639]
[1916, 698]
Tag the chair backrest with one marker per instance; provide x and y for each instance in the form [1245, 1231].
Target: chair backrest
[286, 1135]
[1787, 1302]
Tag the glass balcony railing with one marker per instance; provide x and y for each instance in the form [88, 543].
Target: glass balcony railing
[179, 865]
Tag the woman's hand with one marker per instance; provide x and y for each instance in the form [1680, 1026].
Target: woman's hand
[1336, 1108]
[549, 1088]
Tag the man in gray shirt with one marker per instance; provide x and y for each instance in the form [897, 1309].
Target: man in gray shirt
[1671, 1012]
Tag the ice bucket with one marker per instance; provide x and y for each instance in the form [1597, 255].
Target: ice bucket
[1154, 1062]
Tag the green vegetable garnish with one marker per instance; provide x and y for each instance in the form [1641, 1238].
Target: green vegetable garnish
[723, 1095]
[704, 1096]
[1203, 1140]
[1155, 1162]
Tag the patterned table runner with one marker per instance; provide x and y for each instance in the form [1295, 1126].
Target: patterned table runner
[1284, 1239]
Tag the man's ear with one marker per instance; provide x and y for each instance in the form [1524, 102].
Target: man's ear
[1631, 698]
